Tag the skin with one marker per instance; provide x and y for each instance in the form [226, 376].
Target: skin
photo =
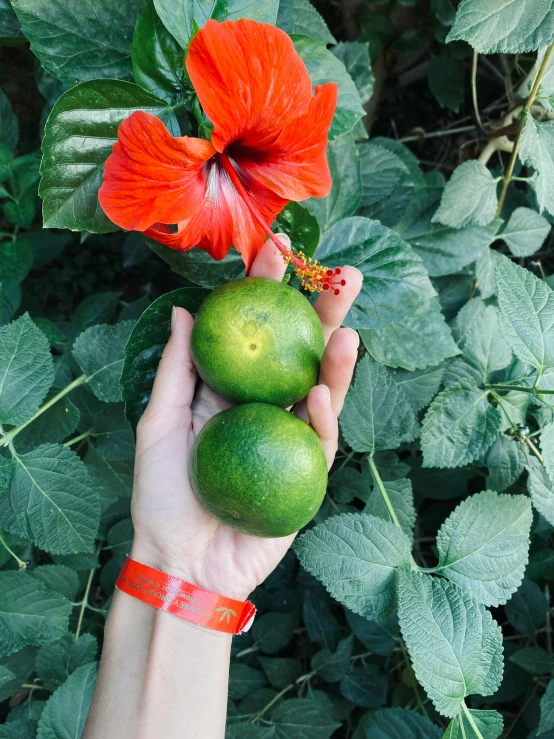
[161, 676]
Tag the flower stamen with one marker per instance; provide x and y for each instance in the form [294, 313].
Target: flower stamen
[314, 277]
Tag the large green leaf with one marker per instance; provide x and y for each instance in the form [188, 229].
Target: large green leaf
[300, 16]
[376, 414]
[145, 346]
[99, 352]
[158, 60]
[525, 232]
[29, 612]
[199, 267]
[300, 226]
[66, 711]
[395, 283]
[52, 501]
[526, 314]
[26, 370]
[55, 662]
[273, 631]
[537, 151]
[488, 723]
[55, 424]
[183, 17]
[399, 723]
[547, 709]
[298, 718]
[484, 545]
[484, 345]
[59, 578]
[402, 500]
[10, 28]
[459, 426]
[454, 643]
[414, 342]
[78, 138]
[505, 460]
[356, 59]
[364, 685]
[346, 192]
[382, 172]
[244, 680]
[470, 197]
[75, 47]
[497, 26]
[446, 81]
[541, 489]
[9, 126]
[420, 386]
[357, 557]
[324, 67]
[526, 610]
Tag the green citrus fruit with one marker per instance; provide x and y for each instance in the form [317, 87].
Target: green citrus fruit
[259, 469]
[258, 341]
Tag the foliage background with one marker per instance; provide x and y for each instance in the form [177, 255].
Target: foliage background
[457, 311]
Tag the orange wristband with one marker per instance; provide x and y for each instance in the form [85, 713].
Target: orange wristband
[190, 602]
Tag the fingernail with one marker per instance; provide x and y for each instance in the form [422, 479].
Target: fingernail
[354, 332]
[283, 238]
[328, 391]
[358, 271]
[173, 317]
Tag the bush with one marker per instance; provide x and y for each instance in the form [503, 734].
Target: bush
[418, 602]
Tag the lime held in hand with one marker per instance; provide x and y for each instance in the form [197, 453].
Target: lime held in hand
[257, 340]
[259, 469]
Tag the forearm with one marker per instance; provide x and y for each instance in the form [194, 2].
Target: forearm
[159, 676]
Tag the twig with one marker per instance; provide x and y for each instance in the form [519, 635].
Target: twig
[474, 90]
[20, 562]
[501, 143]
[437, 134]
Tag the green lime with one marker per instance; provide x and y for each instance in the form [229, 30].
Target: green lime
[258, 341]
[259, 469]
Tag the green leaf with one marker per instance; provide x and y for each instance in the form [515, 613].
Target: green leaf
[29, 612]
[395, 283]
[454, 643]
[246, 730]
[299, 718]
[55, 662]
[402, 500]
[66, 710]
[357, 557]
[420, 386]
[324, 67]
[75, 47]
[183, 18]
[346, 192]
[469, 197]
[364, 685]
[333, 666]
[145, 345]
[89, 114]
[494, 26]
[547, 709]
[484, 545]
[355, 57]
[459, 426]
[26, 370]
[534, 660]
[379, 638]
[52, 501]
[525, 232]
[484, 272]
[489, 724]
[376, 413]
[346, 483]
[158, 60]
[113, 434]
[446, 82]
[273, 631]
[526, 611]
[244, 680]
[112, 479]
[321, 625]
[415, 342]
[198, 266]
[9, 127]
[526, 314]
[55, 424]
[94, 309]
[537, 150]
[382, 172]
[547, 449]
[505, 460]
[99, 353]
[280, 671]
[16, 259]
[484, 345]
[301, 227]
[21, 664]
[59, 578]
[10, 29]
[399, 723]
[540, 488]
[300, 16]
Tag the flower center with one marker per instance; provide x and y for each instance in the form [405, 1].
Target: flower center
[313, 276]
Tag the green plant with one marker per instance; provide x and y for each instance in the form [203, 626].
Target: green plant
[440, 505]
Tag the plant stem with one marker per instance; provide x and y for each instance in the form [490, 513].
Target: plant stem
[522, 119]
[471, 721]
[388, 504]
[520, 389]
[548, 617]
[20, 562]
[504, 411]
[474, 90]
[534, 449]
[5, 441]
[30, 686]
[84, 602]
[272, 702]
[79, 438]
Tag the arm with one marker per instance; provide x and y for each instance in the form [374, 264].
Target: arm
[161, 676]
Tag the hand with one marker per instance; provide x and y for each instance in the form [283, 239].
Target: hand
[173, 532]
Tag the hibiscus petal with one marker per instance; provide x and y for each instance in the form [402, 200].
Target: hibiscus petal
[250, 80]
[151, 177]
[295, 165]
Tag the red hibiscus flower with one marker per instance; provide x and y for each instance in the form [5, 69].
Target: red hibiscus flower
[267, 148]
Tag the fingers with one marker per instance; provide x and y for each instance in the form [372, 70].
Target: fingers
[323, 420]
[176, 376]
[269, 262]
[331, 308]
[337, 365]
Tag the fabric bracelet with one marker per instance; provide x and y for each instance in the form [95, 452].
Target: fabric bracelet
[190, 602]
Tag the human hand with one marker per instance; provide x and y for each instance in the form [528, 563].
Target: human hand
[172, 531]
